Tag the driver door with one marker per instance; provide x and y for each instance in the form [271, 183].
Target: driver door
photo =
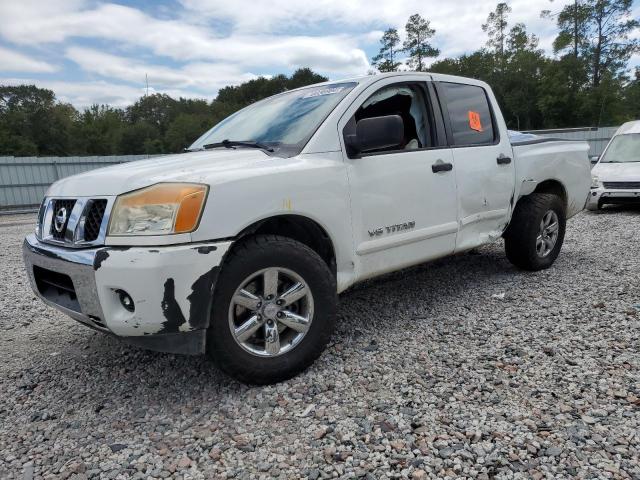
[403, 198]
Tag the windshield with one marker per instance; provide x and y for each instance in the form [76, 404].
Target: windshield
[623, 149]
[286, 121]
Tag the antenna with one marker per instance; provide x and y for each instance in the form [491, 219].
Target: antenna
[146, 79]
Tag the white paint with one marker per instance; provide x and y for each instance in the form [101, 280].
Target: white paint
[452, 211]
[142, 273]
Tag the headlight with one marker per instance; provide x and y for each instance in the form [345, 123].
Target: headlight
[161, 209]
[595, 182]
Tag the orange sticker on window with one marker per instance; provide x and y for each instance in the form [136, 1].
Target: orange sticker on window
[474, 121]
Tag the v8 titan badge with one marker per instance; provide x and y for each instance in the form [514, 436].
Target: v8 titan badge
[474, 121]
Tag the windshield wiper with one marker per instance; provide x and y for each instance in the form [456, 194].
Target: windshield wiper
[236, 143]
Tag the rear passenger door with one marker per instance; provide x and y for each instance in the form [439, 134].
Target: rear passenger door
[485, 173]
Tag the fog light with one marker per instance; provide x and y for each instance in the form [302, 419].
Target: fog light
[126, 300]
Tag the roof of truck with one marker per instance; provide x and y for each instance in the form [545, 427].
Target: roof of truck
[629, 127]
[368, 79]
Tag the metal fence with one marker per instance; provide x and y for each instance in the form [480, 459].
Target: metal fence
[24, 180]
[597, 137]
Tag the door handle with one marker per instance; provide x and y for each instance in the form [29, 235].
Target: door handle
[503, 159]
[440, 166]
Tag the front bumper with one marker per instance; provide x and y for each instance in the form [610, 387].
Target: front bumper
[171, 288]
[602, 196]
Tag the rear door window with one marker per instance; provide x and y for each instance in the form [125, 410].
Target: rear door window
[469, 114]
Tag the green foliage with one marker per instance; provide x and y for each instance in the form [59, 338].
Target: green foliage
[599, 33]
[632, 96]
[185, 129]
[417, 44]
[386, 60]
[33, 123]
[585, 86]
[496, 29]
[99, 130]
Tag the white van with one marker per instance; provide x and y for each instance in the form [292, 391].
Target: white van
[616, 176]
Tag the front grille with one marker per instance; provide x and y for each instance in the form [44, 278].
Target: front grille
[93, 219]
[82, 229]
[622, 185]
[60, 208]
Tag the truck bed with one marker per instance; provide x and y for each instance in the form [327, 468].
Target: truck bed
[544, 158]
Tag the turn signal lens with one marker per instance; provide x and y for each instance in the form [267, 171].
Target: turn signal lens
[161, 209]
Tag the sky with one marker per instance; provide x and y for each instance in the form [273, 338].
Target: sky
[90, 51]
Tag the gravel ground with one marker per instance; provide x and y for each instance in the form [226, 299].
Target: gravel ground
[464, 367]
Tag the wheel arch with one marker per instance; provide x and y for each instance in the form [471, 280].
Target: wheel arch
[554, 187]
[297, 227]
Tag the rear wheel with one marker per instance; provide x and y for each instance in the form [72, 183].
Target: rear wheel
[536, 233]
[274, 310]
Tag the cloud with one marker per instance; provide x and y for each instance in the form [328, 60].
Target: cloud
[11, 61]
[182, 41]
[205, 77]
[194, 47]
[83, 94]
[458, 24]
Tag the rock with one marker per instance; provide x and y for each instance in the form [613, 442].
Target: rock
[27, 471]
[320, 433]
[215, 454]
[553, 451]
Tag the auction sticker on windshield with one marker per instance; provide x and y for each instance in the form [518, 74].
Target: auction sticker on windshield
[324, 91]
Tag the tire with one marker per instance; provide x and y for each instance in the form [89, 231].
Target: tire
[522, 243]
[248, 265]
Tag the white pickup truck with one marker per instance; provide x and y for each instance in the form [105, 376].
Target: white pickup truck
[240, 246]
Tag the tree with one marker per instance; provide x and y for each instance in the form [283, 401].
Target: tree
[99, 130]
[521, 79]
[572, 26]
[598, 32]
[157, 110]
[479, 64]
[32, 122]
[303, 77]
[632, 96]
[140, 138]
[184, 130]
[385, 61]
[610, 27]
[417, 44]
[240, 96]
[561, 98]
[496, 29]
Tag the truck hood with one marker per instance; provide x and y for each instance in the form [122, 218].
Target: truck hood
[210, 167]
[617, 172]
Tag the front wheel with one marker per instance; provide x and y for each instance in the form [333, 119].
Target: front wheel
[274, 310]
[536, 232]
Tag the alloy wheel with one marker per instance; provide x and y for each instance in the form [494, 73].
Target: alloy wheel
[271, 312]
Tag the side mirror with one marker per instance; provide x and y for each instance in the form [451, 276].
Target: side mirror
[376, 133]
[594, 159]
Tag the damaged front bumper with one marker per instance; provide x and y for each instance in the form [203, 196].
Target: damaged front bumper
[598, 197]
[155, 297]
